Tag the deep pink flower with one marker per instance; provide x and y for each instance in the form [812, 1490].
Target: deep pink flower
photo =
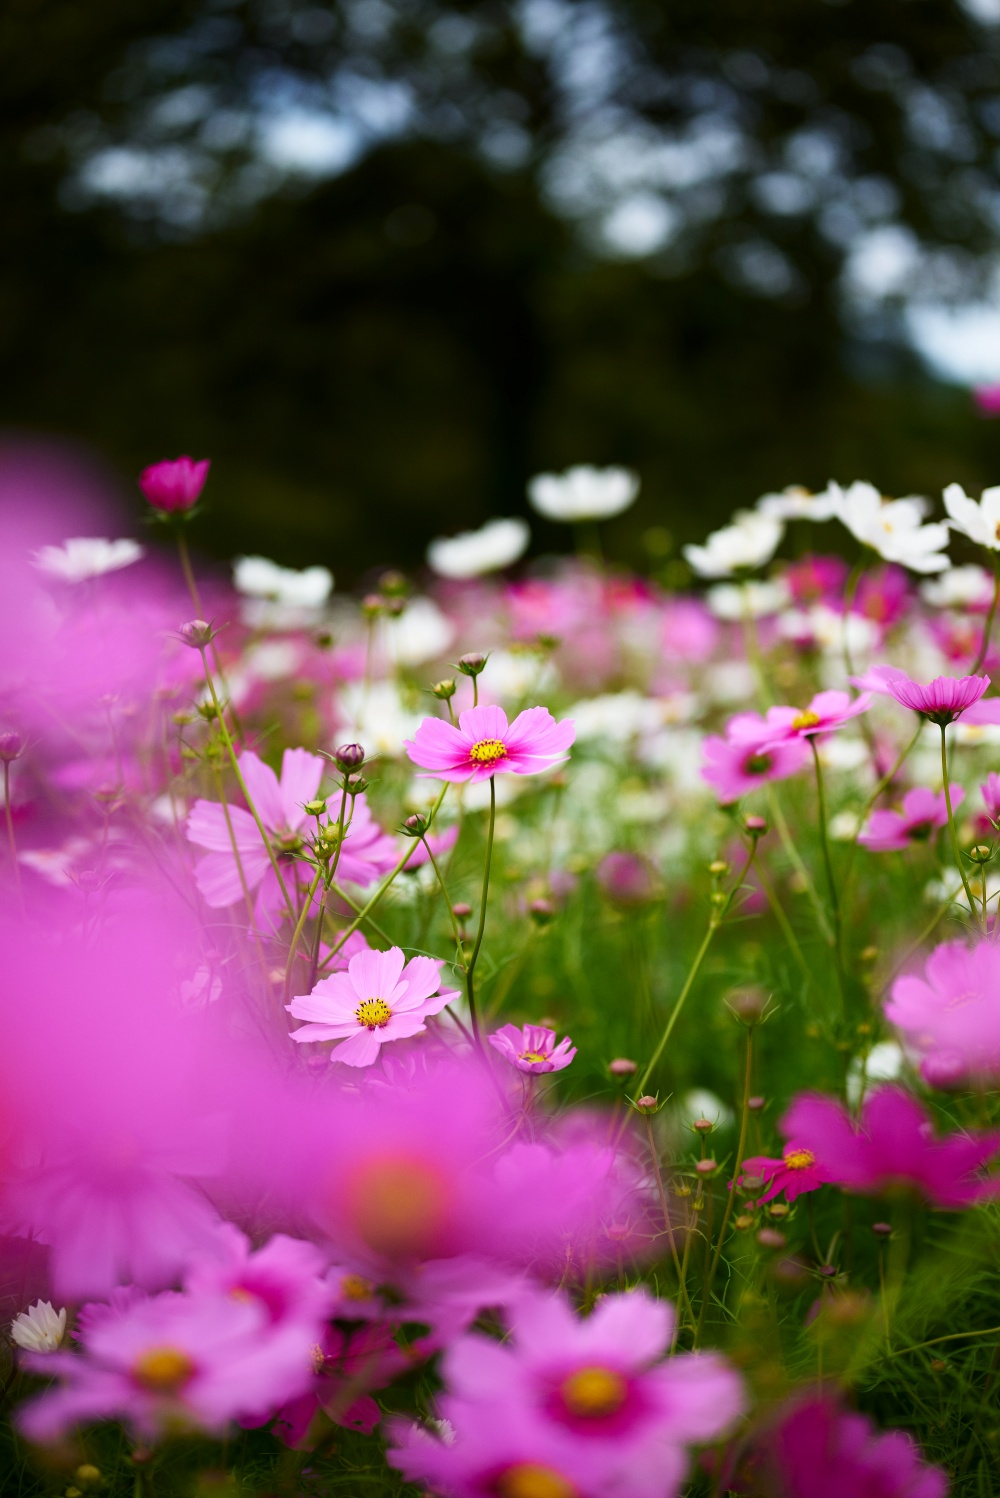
[951, 1015]
[942, 700]
[366, 854]
[285, 1278]
[484, 744]
[816, 579]
[795, 1173]
[987, 399]
[174, 485]
[882, 595]
[175, 1361]
[376, 1000]
[347, 1363]
[753, 752]
[893, 1147]
[819, 1450]
[924, 811]
[532, 1048]
[991, 797]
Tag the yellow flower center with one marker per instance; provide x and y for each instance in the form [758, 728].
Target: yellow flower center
[354, 1287]
[374, 1014]
[488, 751]
[805, 719]
[163, 1370]
[526, 1480]
[317, 1357]
[531, 1056]
[398, 1205]
[799, 1159]
[592, 1392]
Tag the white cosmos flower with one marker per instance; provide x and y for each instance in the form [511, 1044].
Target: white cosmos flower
[257, 577]
[750, 541]
[86, 556]
[377, 717]
[979, 520]
[749, 600]
[583, 492]
[797, 503]
[959, 588]
[892, 527]
[40, 1328]
[420, 633]
[473, 553]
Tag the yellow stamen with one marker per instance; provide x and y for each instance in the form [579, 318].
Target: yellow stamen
[799, 1159]
[805, 719]
[526, 1480]
[531, 1056]
[163, 1370]
[354, 1287]
[488, 751]
[374, 1014]
[592, 1392]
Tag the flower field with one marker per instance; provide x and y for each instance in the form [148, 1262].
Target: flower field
[519, 1032]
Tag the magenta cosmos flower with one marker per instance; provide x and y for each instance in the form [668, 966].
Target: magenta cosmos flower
[825, 713]
[484, 743]
[286, 1278]
[951, 1015]
[754, 751]
[174, 485]
[366, 854]
[893, 1148]
[532, 1048]
[818, 1450]
[796, 1172]
[376, 1000]
[990, 790]
[942, 700]
[924, 812]
[172, 1362]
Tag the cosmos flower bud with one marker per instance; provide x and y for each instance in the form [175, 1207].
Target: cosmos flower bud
[11, 745]
[621, 1066]
[444, 689]
[314, 808]
[748, 1005]
[393, 585]
[755, 826]
[542, 912]
[706, 1167]
[196, 633]
[174, 487]
[743, 1222]
[703, 1125]
[980, 853]
[416, 825]
[882, 1229]
[372, 605]
[771, 1238]
[756, 1104]
[646, 1104]
[461, 911]
[472, 664]
[349, 757]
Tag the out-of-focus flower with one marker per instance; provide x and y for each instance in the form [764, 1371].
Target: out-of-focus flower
[285, 1277]
[83, 557]
[257, 577]
[751, 599]
[891, 1147]
[826, 712]
[942, 700]
[796, 1172]
[422, 632]
[376, 1000]
[41, 1328]
[168, 1363]
[583, 492]
[439, 844]
[483, 743]
[532, 1048]
[951, 1015]
[379, 715]
[797, 503]
[977, 519]
[968, 587]
[923, 812]
[987, 399]
[751, 754]
[627, 877]
[472, 553]
[816, 579]
[818, 1450]
[892, 527]
[750, 541]
[174, 485]
[346, 1362]
[991, 797]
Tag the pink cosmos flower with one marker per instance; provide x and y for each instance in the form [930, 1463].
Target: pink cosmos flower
[795, 1173]
[366, 854]
[826, 712]
[376, 1000]
[942, 700]
[194, 1361]
[816, 579]
[532, 1048]
[819, 1450]
[987, 399]
[924, 811]
[285, 1278]
[893, 1147]
[753, 752]
[484, 744]
[174, 486]
[991, 797]
[346, 1363]
[951, 1015]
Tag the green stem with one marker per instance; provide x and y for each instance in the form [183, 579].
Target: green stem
[470, 983]
[925, 935]
[951, 824]
[456, 932]
[731, 1194]
[786, 926]
[297, 933]
[988, 626]
[795, 858]
[828, 865]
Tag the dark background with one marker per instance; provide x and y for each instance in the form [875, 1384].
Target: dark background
[373, 357]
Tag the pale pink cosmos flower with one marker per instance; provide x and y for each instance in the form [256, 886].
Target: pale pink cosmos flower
[532, 1048]
[366, 854]
[991, 797]
[942, 700]
[484, 743]
[951, 1015]
[174, 485]
[376, 1000]
[174, 1361]
[923, 812]
[826, 712]
[286, 1277]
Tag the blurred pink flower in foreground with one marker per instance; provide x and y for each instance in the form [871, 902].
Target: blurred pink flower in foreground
[924, 812]
[484, 743]
[987, 399]
[951, 1015]
[376, 1000]
[174, 485]
[942, 700]
[532, 1048]
[827, 711]
[819, 1450]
